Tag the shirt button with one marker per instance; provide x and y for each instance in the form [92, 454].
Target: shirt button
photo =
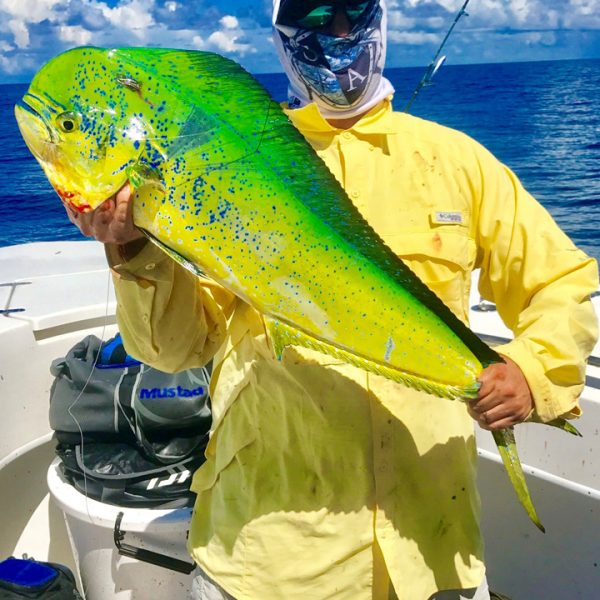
[354, 194]
[371, 148]
[145, 318]
[150, 266]
[347, 135]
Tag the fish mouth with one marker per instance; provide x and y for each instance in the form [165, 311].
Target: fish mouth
[30, 109]
[74, 200]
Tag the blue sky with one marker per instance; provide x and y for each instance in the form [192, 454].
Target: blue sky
[32, 31]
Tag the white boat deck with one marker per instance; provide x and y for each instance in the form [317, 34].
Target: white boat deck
[62, 288]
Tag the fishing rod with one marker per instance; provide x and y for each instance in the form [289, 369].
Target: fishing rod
[436, 63]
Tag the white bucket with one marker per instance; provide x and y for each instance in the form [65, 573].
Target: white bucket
[104, 573]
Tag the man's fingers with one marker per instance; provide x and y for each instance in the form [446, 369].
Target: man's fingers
[504, 398]
[123, 208]
[492, 423]
[489, 378]
[497, 415]
[111, 222]
[486, 387]
[71, 212]
[107, 206]
[123, 195]
[497, 425]
[124, 201]
[485, 403]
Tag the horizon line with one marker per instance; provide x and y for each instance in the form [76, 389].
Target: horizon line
[408, 67]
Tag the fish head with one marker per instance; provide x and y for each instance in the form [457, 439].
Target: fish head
[85, 122]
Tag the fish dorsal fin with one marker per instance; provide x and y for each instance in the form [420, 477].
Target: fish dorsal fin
[282, 335]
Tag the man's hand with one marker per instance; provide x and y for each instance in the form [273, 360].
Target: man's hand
[504, 397]
[111, 222]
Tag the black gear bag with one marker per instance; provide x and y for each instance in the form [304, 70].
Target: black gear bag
[128, 434]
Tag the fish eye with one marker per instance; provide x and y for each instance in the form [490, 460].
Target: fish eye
[68, 122]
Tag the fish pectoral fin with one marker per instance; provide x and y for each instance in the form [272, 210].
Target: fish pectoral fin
[178, 258]
[140, 175]
[507, 447]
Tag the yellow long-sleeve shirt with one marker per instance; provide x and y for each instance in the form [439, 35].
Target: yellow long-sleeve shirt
[321, 478]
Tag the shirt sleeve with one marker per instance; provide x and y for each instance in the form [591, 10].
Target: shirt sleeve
[168, 317]
[541, 284]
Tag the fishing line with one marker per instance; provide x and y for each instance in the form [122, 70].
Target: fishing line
[72, 405]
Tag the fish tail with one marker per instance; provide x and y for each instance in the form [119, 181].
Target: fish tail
[507, 447]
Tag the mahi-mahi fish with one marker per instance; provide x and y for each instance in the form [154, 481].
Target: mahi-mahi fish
[228, 187]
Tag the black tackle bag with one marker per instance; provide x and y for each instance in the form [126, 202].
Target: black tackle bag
[27, 578]
[128, 434]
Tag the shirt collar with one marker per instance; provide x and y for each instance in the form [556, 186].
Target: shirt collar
[308, 119]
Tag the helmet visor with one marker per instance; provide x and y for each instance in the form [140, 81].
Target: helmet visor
[319, 14]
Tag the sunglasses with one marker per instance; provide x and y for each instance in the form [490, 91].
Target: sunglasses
[315, 14]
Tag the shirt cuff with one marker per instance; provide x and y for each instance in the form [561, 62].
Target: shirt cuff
[547, 406]
[134, 262]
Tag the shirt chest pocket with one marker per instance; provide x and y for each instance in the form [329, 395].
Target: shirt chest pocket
[443, 259]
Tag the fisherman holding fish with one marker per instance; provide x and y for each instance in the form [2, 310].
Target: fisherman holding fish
[323, 480]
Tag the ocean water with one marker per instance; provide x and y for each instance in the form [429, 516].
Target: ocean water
[541, 118]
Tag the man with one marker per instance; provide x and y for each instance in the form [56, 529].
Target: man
[323, 481]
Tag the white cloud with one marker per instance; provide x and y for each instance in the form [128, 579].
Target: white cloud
[75, 34]
[8, 66]
[31, 11]
[435, 16]
[521, 10]
[585, 7]
[20, 32]
[229, 22]
[448, 5]
[19, 14]
[492, 12]
[553, 18]
[198, 43]
[135, 16]
[227, 38]
[539, 38]
[582, 14]
[437, 23]
[13, 67]
[397, 19]
[227, 41]
[413, 38]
